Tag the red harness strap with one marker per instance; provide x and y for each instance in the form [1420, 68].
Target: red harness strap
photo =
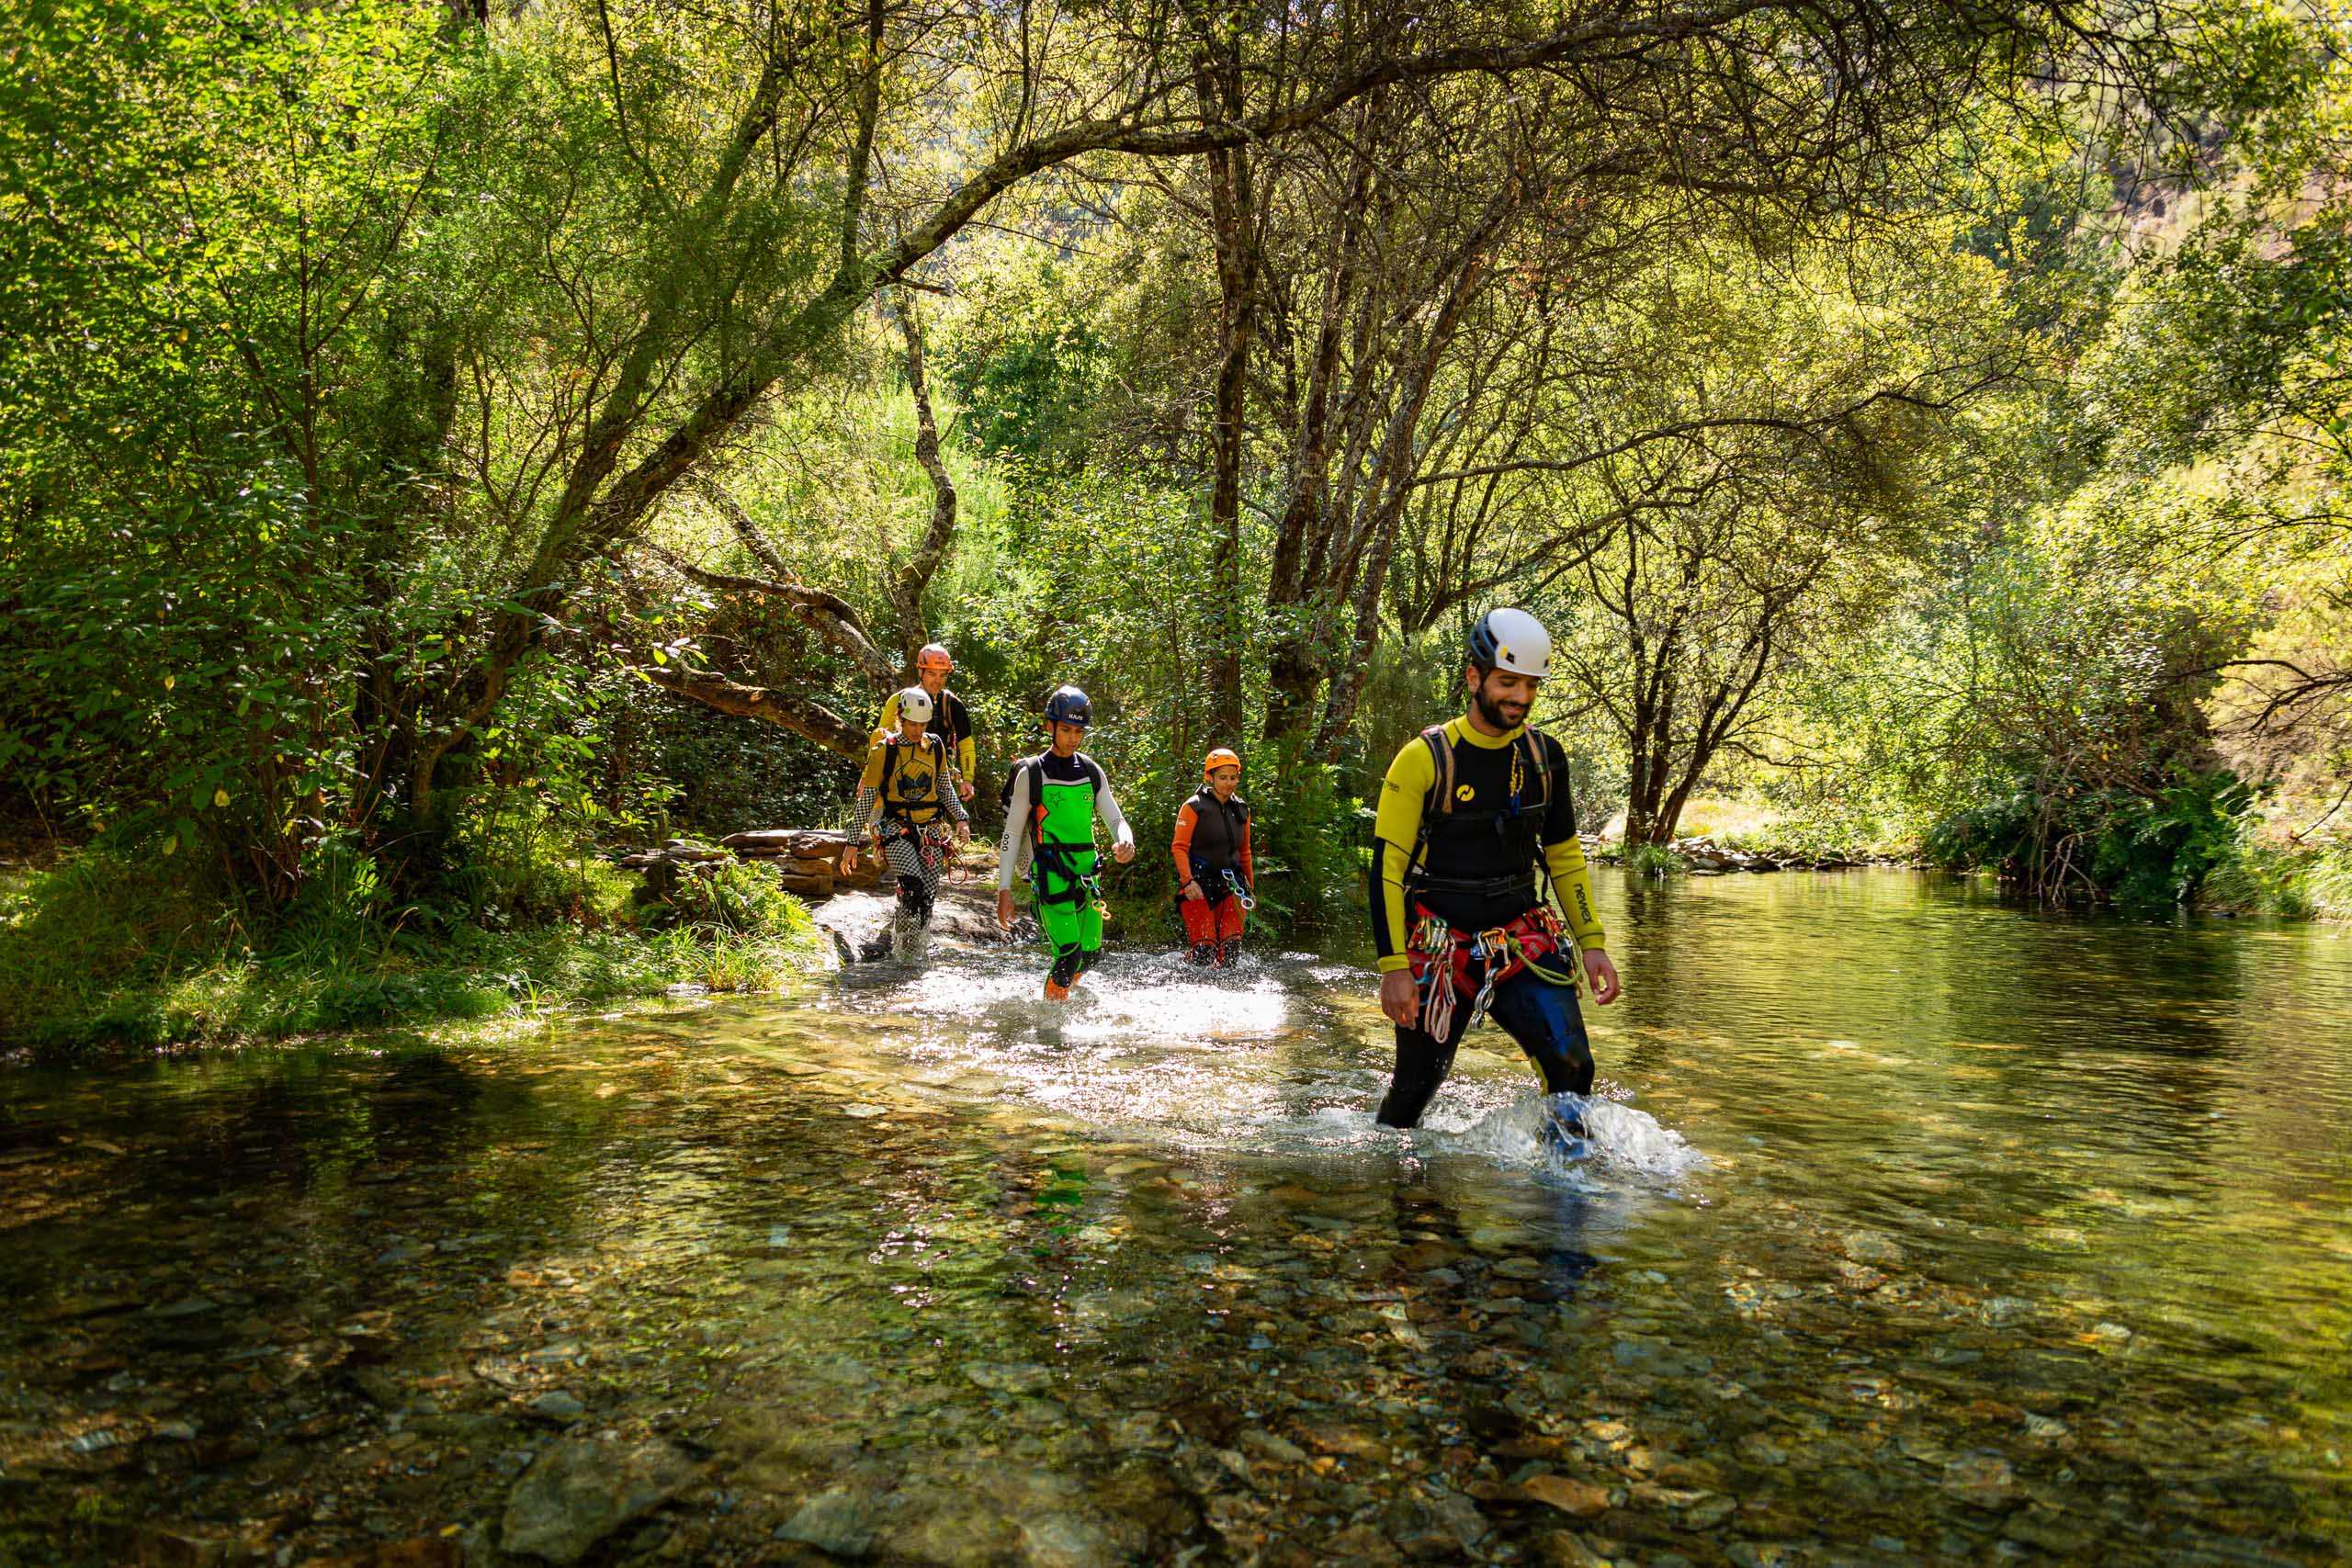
[1496, 956]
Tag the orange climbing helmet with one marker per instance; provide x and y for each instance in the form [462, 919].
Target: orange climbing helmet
[1223, 757]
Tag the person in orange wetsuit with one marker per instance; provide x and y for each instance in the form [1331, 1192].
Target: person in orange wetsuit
[1214, 871]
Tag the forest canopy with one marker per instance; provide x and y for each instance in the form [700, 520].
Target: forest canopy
[434, 438]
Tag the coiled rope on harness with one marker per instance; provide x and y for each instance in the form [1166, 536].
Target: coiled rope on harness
[931, 839]
[1530, 943]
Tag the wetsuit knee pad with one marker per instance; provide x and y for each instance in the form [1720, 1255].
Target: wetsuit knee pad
[1228, 952]
[1200, 953]
[1549, 1026]
[1068, 967]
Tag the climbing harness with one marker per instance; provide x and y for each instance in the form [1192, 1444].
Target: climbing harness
[1056, 860]
[1442, 958]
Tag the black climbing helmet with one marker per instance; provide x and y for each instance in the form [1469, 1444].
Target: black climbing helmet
[1068, 706]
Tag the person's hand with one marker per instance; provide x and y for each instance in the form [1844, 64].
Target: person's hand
[1191, 890]
[849, 860]
[964, 789]
[1399, 997]
[1123, 851]
[963, 833]
[1605, 986]
[1004, 908]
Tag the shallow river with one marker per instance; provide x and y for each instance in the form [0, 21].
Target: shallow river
[1916, 1228]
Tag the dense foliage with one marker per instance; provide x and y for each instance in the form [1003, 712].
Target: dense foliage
[432, 442]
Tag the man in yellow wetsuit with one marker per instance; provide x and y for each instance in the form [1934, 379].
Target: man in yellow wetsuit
[1470, 811]
[950, 719]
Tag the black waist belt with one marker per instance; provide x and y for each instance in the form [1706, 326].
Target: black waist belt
[1481, 887]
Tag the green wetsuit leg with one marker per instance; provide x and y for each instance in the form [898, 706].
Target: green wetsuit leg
[1071, 923]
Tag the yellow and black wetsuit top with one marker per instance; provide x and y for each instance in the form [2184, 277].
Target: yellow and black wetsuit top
[951, 721]
[906, 779]
[1478, 867]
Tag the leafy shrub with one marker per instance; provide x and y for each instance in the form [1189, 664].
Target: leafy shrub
[1655, 861]
[727, 895]
[2061, 841]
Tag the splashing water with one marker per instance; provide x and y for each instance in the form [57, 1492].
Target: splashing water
[1594, 1141]
[1283, 1055]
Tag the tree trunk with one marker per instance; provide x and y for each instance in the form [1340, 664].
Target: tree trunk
[1392, 477]
[1295, 672]
[912, 578]
[1234, 221]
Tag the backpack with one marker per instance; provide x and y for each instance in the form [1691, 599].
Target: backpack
[1439, 801]
[891, 748]
[1013, 771]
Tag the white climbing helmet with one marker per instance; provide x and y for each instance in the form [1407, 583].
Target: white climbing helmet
[914, 702]
[1512, 640]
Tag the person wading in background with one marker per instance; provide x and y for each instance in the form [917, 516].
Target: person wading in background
[950, 719]
[1051, 803]
[1215, 871]
[907, 806]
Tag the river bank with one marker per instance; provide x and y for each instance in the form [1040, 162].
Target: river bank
[101, 953]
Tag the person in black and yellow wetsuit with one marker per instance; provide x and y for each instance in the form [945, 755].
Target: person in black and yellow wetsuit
[951, 721]
[1470, 812]
[907, 803]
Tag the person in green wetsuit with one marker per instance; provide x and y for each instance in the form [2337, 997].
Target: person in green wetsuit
[1051, 805]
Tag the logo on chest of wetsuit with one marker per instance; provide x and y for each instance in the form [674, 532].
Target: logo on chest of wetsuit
[1465, 793]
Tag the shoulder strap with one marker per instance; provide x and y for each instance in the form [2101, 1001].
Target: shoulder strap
[1437, 802]
[1539, 761]
[1440, 800]
[889, 766]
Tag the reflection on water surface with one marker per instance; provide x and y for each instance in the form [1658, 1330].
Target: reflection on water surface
[1917, 1227]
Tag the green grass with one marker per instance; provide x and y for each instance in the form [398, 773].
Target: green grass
[1652, 861]
[101, 953]
[2268, 877]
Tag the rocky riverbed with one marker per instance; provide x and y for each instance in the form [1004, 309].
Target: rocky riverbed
[904, 1270]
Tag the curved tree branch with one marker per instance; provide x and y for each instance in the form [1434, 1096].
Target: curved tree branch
[913, 577]
[828, 616]
[810, 720]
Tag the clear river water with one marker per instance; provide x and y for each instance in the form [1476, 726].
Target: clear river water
[1916, 1228]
